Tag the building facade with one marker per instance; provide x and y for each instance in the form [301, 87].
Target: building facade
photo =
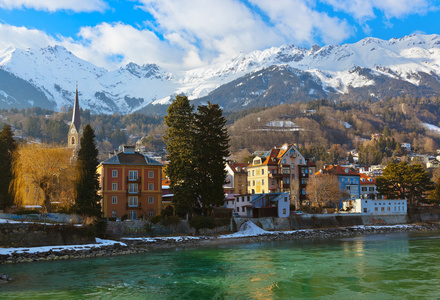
[131, 185]
[236, 178]
[349, 180]
[368, 206]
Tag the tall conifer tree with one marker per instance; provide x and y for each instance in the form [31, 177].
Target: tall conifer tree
[7, 148]
[87, 200]
[212, 141]
[179, 139]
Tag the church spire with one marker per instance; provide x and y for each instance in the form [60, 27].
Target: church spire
[76, 120]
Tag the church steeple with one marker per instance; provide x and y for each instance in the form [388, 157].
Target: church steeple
[76, 120]
[73, 137]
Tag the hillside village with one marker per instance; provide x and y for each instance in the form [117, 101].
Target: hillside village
[273, 183]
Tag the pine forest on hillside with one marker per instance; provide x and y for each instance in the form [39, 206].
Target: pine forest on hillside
[321, 128]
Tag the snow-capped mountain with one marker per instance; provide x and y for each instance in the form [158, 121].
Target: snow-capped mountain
[368, 68]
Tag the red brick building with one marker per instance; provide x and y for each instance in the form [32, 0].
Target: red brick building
[131, 185]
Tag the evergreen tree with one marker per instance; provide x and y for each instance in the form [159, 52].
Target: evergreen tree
[212, 144]
[434, 196]
[87, 200]
[403, 181]
[179, 140]
[7, 148]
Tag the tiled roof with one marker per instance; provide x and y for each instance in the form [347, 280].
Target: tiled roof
[131, 159]
[367, 179]
[338, 170]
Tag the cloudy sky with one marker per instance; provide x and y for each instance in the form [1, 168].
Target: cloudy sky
[183, 34]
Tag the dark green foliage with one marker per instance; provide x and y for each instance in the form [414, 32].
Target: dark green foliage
[179, 139]
[197, 145]
[200, 222]
[212, 144]
[403, 181]
[87, 200]
[434, 196]
[7, 148]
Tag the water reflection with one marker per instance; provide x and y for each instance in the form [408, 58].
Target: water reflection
[387, 266]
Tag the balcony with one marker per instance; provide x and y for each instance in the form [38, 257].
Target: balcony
[131, 206]
[135, 179]
[133, 193]
[275, 175]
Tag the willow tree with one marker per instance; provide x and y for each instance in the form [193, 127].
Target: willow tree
[42, 175]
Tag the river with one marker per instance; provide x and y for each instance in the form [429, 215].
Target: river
[390, 266]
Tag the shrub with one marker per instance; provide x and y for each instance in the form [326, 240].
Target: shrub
[156, 219]
[170, 220]
[27, 212]
[200, 222]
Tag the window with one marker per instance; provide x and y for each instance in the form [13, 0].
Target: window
[150, 174]
[293, 166]
[150, 200]
[364, 189]
[133, 188]
[248, 198]
[151, 213]
[253, 172]
[382, 209]
[285, 199]
[262, 171]
[115, 200]
[151, 187]
[132, 175]
[284, 211]
[132, 215]
[132, 201]
[262, 182]
[114, 186]
[114, 173]
[388, 208]
[273, 181]
[249, 183]
[371, 188]
[253, 182]
[365, 209]
[300, 161]
[242, 209]
[376, 209]
[114, 214]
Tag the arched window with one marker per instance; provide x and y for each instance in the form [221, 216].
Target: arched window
[73, 140]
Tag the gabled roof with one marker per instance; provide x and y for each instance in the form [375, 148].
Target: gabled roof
[367, 180]
[135, 158]
[337, 170]
[238, 167]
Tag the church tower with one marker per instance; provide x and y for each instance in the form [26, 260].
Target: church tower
[74, 135]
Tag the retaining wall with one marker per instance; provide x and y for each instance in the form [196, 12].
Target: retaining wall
[35, 235]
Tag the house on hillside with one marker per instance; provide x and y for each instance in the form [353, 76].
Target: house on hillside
[280, 170]
[368, 187]
[131, 184]
[260, 205]
[348, 179]
[368, 206]
[236, 178]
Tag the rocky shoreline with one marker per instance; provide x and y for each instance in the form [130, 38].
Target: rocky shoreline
[134, 246]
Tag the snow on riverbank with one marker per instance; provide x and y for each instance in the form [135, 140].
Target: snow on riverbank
[165, 238]
[99, 243]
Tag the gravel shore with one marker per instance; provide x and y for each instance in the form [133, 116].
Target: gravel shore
[134, 246]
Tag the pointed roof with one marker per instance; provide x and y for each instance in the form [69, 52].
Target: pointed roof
[76, 120]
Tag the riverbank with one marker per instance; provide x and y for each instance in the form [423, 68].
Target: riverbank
[247, 234]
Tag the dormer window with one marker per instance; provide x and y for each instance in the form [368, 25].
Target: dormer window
[346, 170]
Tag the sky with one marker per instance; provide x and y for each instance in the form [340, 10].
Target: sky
[186, 34]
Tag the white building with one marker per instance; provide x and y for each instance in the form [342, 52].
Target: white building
[368, 206]
[244, 205]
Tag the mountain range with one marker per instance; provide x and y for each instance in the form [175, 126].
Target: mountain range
[371, 68]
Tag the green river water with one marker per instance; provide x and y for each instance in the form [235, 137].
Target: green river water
[391, 266]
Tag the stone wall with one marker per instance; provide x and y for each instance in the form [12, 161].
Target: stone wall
[51, 217]
[35, 235]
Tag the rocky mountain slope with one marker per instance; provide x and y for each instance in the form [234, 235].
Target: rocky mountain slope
[369, 68]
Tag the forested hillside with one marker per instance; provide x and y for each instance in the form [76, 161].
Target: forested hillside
[322, 129]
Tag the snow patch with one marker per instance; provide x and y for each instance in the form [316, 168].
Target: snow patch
[432, 128]
[247, 229]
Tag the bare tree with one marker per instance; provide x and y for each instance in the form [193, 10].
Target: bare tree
[322, 189]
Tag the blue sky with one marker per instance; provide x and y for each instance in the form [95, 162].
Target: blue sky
[184, 34]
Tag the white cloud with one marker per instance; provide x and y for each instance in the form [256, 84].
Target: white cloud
[54, 5]
[363, 10]
[298, 21]
[22, 37]
[210, 29]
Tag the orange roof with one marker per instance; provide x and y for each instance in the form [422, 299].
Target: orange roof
[338, 170]
[367, 179]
